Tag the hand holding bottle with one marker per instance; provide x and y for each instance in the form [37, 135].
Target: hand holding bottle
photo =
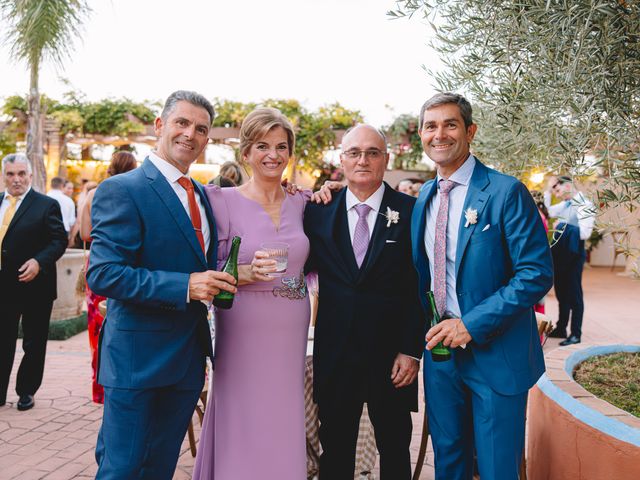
[205, 285]
[451, 332]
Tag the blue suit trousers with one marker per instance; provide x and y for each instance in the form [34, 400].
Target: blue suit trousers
[142, 431]
[462, 407]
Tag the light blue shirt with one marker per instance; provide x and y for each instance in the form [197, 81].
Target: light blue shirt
[457, 196]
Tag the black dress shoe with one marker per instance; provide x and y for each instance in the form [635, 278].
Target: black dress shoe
[572, 340]
[558, 334]
[26, 402]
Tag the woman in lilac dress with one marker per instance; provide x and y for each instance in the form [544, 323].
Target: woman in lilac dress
[254, 421]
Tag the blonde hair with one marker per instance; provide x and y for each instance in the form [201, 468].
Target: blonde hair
[258, 123]
[231, 171]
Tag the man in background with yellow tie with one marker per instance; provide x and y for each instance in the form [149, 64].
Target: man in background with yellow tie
[32, 239]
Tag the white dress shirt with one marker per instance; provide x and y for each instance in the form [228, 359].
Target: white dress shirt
[67, 207]
[580, 208]
[172, 174]
[457, 196]
[5, 203]
[374, 201]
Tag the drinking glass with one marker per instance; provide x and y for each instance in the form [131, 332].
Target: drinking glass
[278, 251]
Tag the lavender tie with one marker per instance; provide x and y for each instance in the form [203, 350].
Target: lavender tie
[440, 247]
[361, 235]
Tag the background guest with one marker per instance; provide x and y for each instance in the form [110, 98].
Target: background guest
[415, 188]
[68, 188]
[231, 172]
[32, 239]
[404, 186]
[67, 207]
[576, 218]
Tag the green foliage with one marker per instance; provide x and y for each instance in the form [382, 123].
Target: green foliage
[405, 141]
[107, 117]
[7, 143]
[37, 30]
[341, 118]
[555, 84]
[229, 113]
[116, 117]
[63, 329]
[314, 130]
[41, 29]
[13, 104]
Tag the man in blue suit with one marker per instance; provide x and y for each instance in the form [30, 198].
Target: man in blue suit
[479, 243]
[153, 256]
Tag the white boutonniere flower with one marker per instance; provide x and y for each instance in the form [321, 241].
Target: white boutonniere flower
[392, 216]
[471, 215]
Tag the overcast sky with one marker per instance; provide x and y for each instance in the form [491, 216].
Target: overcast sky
[315, 51]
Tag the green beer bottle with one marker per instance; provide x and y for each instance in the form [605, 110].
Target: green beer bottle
[439, 353]
[225, 299]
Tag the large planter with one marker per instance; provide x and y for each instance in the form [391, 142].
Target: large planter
[574, 435]
[69, 303]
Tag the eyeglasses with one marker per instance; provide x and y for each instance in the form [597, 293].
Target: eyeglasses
[371, 154]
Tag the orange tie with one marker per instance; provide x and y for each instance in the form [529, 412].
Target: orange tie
[194, 209]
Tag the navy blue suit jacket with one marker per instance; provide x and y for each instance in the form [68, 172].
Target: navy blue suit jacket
[372, 312]
[501, 272]
[144, 248]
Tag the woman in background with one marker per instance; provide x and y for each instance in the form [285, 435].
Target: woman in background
[121, 162]
[229, 172]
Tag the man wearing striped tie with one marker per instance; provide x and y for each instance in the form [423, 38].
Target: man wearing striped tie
[479, 244]
[32, 239]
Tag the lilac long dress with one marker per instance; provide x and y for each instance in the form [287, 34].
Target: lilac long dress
[254, 422]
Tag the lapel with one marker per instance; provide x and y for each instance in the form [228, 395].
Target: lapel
[419, 224]
[168, 197]
[24, 206]
[212, 253]
[380, 231]
[476, 199]
[339, 240]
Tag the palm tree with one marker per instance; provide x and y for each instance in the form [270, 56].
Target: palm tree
[39, 30]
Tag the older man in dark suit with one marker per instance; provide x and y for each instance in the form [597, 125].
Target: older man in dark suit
[32, 239]
[369, 333]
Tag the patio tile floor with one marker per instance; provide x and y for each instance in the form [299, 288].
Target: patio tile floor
[56, 439]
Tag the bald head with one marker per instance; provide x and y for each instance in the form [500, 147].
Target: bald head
[364, 159]
[359, 126]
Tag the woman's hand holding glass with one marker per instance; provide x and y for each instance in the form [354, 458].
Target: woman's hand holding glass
[258, 270]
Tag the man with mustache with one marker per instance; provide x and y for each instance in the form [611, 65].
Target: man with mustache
[32, 239]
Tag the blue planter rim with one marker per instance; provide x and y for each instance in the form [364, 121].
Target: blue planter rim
[582, 412]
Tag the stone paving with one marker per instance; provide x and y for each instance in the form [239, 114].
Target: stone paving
[56, 439]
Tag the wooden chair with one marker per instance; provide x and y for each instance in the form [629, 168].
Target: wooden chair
[201, 406]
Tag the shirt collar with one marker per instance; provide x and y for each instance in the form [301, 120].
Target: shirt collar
[171, 173]
[374, 201]
[462, 176]
[19, 197]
